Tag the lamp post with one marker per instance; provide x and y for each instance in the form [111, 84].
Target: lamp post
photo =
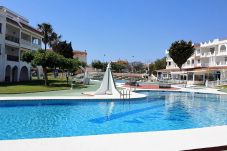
[132, 63]
[132, 68]
[104, 61]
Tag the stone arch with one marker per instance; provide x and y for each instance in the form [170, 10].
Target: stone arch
[8, 73]
[24, 74]
[223, 48]
[15, 74]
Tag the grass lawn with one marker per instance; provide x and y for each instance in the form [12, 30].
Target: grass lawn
[223, 88]
[35, 86]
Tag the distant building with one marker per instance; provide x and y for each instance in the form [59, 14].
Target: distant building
[209, 62]
[81, 55]
[16, 37]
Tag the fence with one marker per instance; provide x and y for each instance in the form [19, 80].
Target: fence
[212, 84]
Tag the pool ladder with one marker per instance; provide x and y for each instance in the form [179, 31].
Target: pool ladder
[125, 94]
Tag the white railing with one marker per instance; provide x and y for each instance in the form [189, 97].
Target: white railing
[25, 42]
[205, 64]
[204, 54]
[216, 83]
[36, 46]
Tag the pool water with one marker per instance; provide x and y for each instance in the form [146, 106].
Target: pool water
[159, 111]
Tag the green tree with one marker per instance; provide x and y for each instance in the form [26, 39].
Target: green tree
[49, 36]
[50, 59]
[138, 66]
[97, 64]
[27, 56]
[152, 68]
[63, 48]
[46, 59]
[119, 65]
[180, 51]
[157, 65]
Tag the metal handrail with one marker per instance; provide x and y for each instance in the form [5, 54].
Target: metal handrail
[125, 94]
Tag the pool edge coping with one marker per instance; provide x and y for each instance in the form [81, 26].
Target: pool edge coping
[160, 140]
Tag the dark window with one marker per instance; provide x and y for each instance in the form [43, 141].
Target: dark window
[212, 50]
[225, 59]
[192, 61]
[0, 28]
[223, 48]
[198, 61]
[169, 63]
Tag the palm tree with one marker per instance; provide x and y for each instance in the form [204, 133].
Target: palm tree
[49, 36]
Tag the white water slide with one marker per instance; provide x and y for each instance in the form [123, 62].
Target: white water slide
[108, 86]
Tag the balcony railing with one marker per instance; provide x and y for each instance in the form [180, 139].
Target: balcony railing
[36, 45]
[25, 42]
[12, 58]
[221, 63]
[205, 64]
[12, 38]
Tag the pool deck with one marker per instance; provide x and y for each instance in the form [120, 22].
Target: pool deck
[146, 141]
[176, 88]
[73, 98]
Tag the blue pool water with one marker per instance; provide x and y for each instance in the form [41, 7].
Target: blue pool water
[159, 111]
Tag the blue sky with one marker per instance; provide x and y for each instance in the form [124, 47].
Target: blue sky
[125, 28]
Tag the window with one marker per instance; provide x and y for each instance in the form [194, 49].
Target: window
[198, 61]
[198, 51]
[223, 48]
[225, 59]
[0, 28]
[188, 62]
[192, 61]
[212, 50]
[169, 63]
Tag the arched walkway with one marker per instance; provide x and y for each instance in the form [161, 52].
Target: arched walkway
[24, 74]
[8, 73]
[14, 74]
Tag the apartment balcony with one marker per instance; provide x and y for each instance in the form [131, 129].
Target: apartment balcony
[222, 54]
[36, 46]
[205, 64]
[29, 45]
[204, 54]
[198, 65]
[25, 43]
[221, 63]
[12, 58]
[197, 54]
[12, 38]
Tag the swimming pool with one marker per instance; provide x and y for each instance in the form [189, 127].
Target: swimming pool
[159, 111]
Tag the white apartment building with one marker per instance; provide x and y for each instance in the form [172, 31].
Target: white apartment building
[209, 62]
[16, 37]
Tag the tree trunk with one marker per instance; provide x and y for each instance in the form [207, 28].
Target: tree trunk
[45, 76]
[45, 47]
[180, 68]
